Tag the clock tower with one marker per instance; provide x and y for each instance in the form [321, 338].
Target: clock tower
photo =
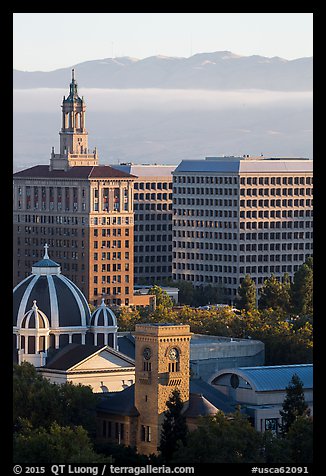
[162, 365]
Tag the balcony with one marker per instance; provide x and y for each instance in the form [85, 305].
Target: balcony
[170, 378]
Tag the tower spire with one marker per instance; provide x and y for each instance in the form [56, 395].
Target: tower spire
[73, 135]
[73, 87]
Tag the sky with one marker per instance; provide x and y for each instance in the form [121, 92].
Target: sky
[49, 41]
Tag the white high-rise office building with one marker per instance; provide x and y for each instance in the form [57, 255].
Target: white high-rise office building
[234, 216]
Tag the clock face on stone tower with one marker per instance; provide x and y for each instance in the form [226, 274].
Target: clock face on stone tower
[173, 353]
[147, 353]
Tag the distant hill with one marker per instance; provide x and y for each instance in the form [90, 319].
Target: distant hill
[220, 70]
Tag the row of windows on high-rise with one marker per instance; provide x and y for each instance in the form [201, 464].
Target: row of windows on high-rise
[243, 204]
[152, 217]
[249, 192]
[233, 258]
[152, 185]
[157, 227]
[247, 247]
[50, 219]
[153, 248]
[115, 291]
[107, 255]
[229, 180]
[243, 191]
[248, 237]
[154, 237]
[152, 206]
[152, 259]
[108, 279]
[153, 196]
[111, 244]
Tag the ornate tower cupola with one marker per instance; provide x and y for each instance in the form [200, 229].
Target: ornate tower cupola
[73, 135]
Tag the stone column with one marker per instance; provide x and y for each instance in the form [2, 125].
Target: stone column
[56, 341]
[47, 198]
[111, 199]
[130, 198]
[37, 343]
[23, 196]
[121, 207]
[47, 342]
[71, 199]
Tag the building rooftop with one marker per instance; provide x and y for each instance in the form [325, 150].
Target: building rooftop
[243, 165]
[79, 172]
[145, 171]
[122, 403]
[274, 377]
[73, 354]
[119, 403]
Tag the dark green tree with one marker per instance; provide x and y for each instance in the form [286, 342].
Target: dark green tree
[221, 439]
[208, 294]
[275, 449]
[54, 445]
[186, 292]
[162, 297]
[294, 404]
[121, 454]
[302, 289]
[174, 427]
[41, 402]
[300, 440]
[275, 294]
[247, 294]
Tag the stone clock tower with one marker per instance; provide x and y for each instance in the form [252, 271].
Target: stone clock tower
[162, 365]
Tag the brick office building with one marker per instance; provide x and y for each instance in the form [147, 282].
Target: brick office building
[82, 210]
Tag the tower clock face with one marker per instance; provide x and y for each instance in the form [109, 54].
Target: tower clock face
[147, 353]
[173, 353]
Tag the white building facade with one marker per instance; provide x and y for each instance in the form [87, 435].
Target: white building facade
[234, 216]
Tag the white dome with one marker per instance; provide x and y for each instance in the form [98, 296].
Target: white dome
[35, 319]
[103, 316]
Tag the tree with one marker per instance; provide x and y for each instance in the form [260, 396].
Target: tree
[46, 402]
[186, 292]
[300, 440]
[247, 292]
[56, 445]
[221, 439]
[174, 427]
[302, 289]
[208, 294]
[275, 294]
[162, 297]
[294, 404]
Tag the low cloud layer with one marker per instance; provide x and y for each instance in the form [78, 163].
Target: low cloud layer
[166, 126]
